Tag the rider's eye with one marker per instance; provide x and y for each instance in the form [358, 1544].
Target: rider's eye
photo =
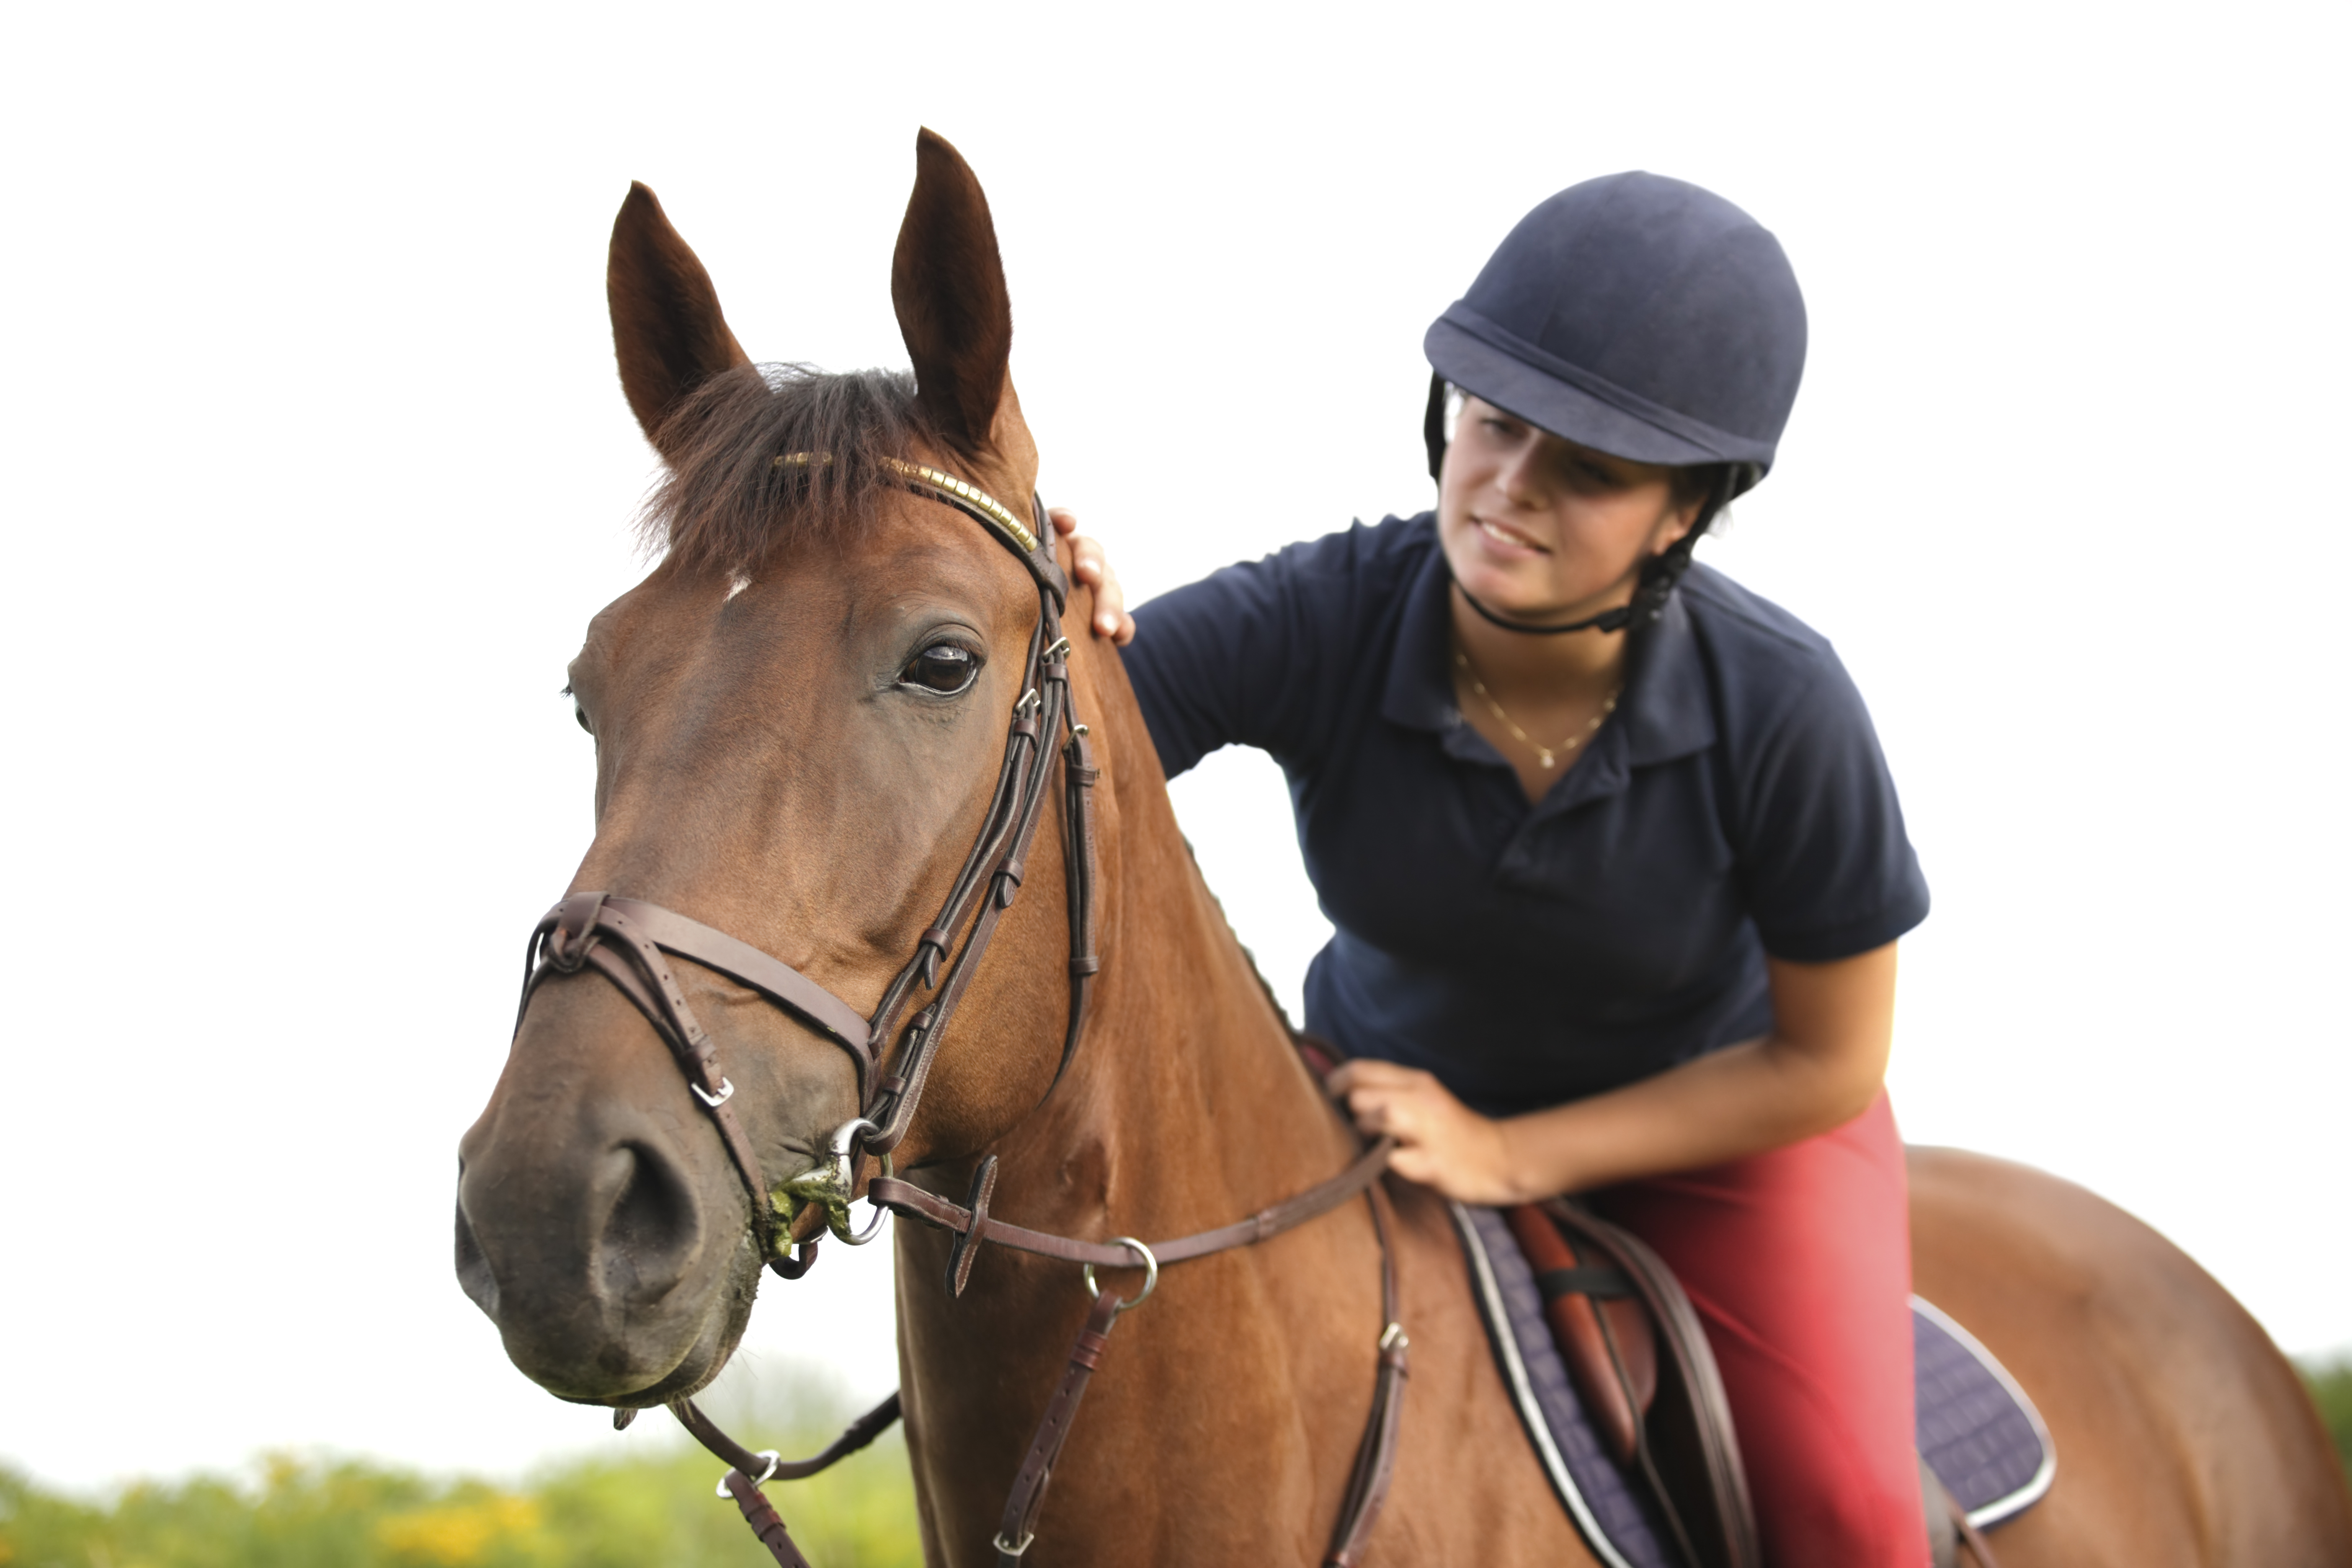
[942, 668]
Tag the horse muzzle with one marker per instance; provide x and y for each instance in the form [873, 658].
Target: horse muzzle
[615, 1269]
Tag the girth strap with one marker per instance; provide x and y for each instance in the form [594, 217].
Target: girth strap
[1375, 1467]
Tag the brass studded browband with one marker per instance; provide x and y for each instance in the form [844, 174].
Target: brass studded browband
[922, 477]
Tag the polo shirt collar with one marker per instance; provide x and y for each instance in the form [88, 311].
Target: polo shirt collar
[1666, 712]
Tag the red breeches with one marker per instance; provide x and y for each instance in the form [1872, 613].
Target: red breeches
[1798, 1263]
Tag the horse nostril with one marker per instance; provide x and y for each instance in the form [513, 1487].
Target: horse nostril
[474, 1276]
[653, 1232]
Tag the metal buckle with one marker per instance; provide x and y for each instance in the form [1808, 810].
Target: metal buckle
[1392, 1338]
[1151, 1276]
[726, 1093]
[1061, 646]
[829, 1185]
[760, 1479]
[1008, 1548]
[1030, 702]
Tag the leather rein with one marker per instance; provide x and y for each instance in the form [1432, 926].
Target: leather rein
[630, 943]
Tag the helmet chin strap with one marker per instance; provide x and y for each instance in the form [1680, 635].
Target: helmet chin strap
[1615, 620]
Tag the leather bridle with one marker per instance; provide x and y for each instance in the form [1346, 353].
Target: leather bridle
[630, 943]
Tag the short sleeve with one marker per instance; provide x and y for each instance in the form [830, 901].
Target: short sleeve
[1245, 656]
[1829, 871]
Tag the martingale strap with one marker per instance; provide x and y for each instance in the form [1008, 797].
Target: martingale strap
[1375, 1463]
[630, 943]
[977, 1225]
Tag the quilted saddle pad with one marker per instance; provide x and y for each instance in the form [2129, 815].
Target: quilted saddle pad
[1977, 1429]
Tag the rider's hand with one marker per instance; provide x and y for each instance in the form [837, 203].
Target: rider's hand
[1090, 566]
[1441, 1143]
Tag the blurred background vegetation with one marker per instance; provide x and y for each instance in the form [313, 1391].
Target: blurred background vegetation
[2330, 1383]
[646, 1511]
[655, 1512]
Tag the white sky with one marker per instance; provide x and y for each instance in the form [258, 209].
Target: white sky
[315, 468]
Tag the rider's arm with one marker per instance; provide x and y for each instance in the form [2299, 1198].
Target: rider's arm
[1821, 1066]
[1828, 876]
[1271, 653]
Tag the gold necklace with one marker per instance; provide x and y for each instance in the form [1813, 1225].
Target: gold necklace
[1543, 754]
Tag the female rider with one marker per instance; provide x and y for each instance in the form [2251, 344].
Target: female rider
[1614, 863]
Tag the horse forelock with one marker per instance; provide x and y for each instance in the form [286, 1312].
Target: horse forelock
[725, 504]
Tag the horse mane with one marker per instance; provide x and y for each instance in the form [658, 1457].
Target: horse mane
[725, 504]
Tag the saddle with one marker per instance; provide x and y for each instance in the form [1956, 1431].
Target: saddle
[1641, 1366]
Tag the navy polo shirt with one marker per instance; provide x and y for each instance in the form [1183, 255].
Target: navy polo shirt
[1735, 805]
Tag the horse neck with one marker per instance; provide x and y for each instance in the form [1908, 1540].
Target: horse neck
[1186, 1088]
[1185, 1108]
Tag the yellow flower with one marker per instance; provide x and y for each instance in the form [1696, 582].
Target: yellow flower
[460, 1534]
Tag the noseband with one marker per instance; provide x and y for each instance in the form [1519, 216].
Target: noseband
[630, 943]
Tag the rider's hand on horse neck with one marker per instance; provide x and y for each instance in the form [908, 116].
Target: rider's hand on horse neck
[1091, 566]
[1821, 1066]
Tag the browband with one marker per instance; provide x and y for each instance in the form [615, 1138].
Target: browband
[1030, 544]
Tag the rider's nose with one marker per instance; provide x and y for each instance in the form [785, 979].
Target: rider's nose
[1520, 480]
[653, 1228]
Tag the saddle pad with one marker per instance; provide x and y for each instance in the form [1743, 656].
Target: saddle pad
[1613, 1512]
[1976, 1427]
[1978, 1431]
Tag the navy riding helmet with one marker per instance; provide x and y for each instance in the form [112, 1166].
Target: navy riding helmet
[1642, 317]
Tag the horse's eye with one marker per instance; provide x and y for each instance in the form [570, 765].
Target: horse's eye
[942, 668]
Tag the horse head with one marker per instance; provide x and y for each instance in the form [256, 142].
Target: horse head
[799, 718]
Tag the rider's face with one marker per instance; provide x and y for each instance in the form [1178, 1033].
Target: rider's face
[1536, 526]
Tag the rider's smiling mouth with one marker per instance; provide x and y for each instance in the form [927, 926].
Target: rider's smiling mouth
[1510, 538]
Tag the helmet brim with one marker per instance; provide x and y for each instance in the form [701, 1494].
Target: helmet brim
[1463, 348]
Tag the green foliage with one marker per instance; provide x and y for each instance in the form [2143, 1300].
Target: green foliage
[646, 1512]
[2331, 1389]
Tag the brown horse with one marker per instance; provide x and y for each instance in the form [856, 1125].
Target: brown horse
[799, 716]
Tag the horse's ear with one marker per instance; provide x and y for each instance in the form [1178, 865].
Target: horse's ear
[948, 283]
[667, 329]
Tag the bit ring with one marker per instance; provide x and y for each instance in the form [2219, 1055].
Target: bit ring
[837, 1145]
